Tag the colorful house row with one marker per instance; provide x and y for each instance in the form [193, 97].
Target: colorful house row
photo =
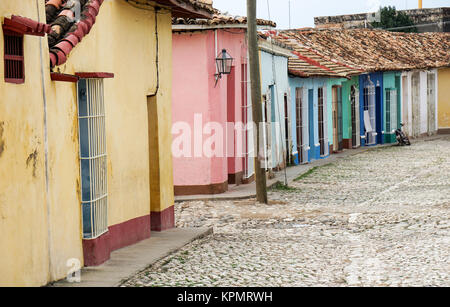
[85, 126]
[322, 92]
[348, 92]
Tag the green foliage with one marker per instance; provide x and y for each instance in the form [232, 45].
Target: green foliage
[281, 187]
[391, 18]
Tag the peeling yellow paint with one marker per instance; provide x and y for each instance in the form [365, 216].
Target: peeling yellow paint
[444, 98]
[2, 141]
[44, 224]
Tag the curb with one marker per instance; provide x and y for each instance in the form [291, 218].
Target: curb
[349, 153]
[204, 234]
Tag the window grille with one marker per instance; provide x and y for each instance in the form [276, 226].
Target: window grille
[369, 113]
[405, 103]
[287, 135]
[354, 98]
[14, 58]
[267, 133]
[247, 117]
[431, 99]
[322, 122]
[415, 84]
[391, 110]
[337, 118]
[301, 125]
[92, 133]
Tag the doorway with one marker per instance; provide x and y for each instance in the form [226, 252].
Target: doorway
[312, 143]
[354, 100]
[338, 139]
[431, 99]
[369, 113]
[322, 122]
[415, 83]
[300, 126]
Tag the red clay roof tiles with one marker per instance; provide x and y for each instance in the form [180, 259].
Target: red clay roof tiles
[221, 19]
[307, 62]
[67, 29]
[376, 50]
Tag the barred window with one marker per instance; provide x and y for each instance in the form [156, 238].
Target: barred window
[14, 70]
[91, 117]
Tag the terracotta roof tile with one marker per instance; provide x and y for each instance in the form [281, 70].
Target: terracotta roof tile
[307, 62]
[375, 50]
[220, 19]
[66, 30]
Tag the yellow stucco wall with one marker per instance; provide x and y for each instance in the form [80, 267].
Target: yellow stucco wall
[122, 42]
[23, 201]
[444, 98]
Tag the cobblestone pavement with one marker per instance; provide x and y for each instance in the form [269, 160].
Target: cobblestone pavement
[380, 218]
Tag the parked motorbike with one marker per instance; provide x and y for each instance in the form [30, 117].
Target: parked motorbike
[402, 139]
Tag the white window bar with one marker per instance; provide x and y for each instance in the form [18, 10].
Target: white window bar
[431, 100]
[369, 105]
[415, 84]
[299, 123]
[92, 137]
[247, 117]
[322, 122]
[354, 98]
[391, 110]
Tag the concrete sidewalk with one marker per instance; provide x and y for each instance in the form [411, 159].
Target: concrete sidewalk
[245, 191]
[128, 261]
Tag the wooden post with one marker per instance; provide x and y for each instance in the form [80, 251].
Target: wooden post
[260, 173]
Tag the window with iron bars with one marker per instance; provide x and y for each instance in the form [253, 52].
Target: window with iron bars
[391, 110]
[246, 118]
[354, 98]
[300, 125]
[92, 133]
[322, 122]
[14, 69]
[369, 108]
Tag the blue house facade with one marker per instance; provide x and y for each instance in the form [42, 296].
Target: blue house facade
[371, 109]
[310, 129]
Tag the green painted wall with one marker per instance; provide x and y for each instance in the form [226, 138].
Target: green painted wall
[347, 106]
[331, 83]
[391, 80]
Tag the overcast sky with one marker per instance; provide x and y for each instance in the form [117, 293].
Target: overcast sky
[304, 11]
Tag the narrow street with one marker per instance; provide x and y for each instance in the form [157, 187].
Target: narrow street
[380, 218]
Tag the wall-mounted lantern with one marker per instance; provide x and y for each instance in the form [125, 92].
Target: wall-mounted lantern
[224, 63]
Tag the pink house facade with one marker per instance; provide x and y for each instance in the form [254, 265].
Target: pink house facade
[213, 154]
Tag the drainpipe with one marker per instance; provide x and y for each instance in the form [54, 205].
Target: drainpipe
[47, 189]
[157, 52]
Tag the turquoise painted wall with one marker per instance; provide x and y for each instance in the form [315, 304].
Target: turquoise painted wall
[391, 80]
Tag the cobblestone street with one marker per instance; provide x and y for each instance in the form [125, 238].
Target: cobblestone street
[379, 218]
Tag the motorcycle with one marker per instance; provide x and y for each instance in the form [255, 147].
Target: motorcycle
[402, 139]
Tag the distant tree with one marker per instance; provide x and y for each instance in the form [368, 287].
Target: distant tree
[392, 19]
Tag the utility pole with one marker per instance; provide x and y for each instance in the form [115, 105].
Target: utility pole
[260, 173]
